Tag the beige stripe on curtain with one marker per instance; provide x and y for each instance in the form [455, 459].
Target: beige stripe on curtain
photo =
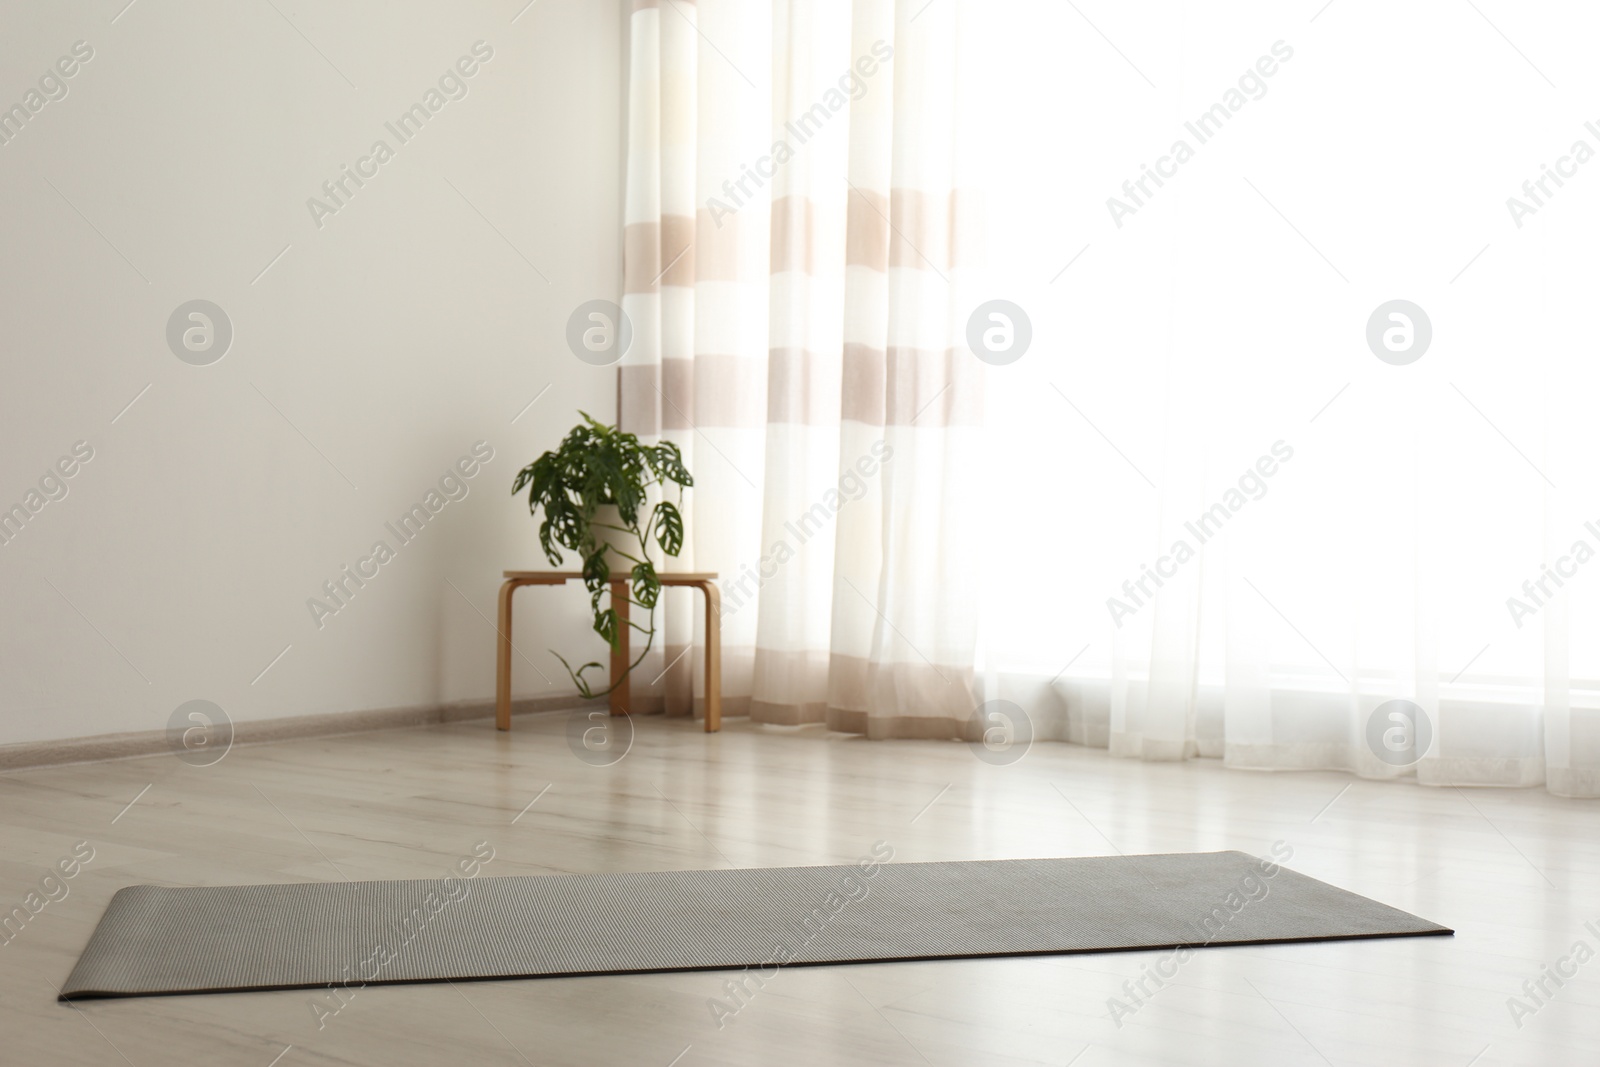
[798, 254]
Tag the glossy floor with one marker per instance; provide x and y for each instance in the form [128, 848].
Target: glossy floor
[1517, 873]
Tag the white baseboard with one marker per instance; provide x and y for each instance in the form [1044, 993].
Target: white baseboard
[262, 731]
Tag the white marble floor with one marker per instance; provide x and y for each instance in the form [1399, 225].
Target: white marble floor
[1517, 873]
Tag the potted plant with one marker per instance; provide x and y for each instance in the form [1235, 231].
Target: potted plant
[594, 491]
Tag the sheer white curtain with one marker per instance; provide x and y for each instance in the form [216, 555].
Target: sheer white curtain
[695, 293]
[1208, 512]
[797, 260]
[1378, 532]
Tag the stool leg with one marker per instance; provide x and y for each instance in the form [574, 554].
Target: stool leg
[713, 656]
[502, 666]
[619, 655]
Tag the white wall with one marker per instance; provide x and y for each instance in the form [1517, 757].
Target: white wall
[392, 338]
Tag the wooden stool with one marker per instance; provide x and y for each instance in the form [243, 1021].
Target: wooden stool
[705, 581]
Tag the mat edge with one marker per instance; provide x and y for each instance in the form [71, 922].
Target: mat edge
[1440, 931]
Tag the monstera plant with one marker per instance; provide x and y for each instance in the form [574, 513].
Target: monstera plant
[595, 493]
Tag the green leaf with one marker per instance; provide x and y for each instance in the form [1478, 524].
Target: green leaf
[646, 586]
[596, 571]
[524, 476]
[668, 464]
[628, 494]
[669, 528]
[570, 527]
[606, 625]
[549, 547]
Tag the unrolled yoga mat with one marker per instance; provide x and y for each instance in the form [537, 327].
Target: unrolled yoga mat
[155, 940]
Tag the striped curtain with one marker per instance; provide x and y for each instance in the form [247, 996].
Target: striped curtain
[798, 260]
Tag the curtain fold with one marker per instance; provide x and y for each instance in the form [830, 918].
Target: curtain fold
[1199, 518]
[797, 262]
[695, 373]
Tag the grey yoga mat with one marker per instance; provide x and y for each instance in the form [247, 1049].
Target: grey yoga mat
[156, 940]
